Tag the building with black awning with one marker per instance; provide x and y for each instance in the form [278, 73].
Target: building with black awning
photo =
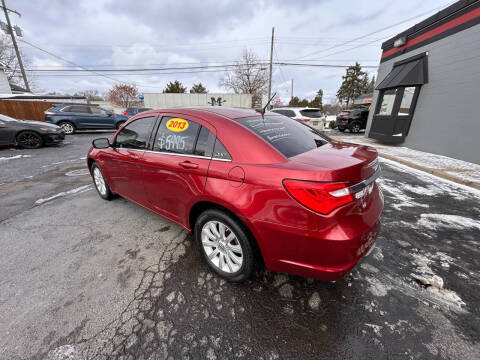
[428, 85]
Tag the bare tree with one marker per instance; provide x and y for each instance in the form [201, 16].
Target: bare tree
[9, 59]
[248, 77]
[124, 95]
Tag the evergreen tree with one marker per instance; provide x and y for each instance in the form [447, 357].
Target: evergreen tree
[317, 101]
[175, 87]
[355, 83]
[371, 85]
[198, 89]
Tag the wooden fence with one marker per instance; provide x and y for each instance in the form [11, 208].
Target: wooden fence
[26, 110]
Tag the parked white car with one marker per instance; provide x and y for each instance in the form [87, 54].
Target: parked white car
[311, 116]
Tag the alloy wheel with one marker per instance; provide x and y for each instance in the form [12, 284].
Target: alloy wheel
[222, 247]
[99, 181]
[29, 140]
[67, 128]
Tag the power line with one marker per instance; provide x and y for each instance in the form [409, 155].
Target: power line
[371, 33]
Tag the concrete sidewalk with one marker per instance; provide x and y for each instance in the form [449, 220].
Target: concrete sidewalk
[459, 171]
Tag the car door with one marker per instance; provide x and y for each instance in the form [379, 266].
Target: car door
[175, 171]
[79, 115]
[122, 161]
[101, 118]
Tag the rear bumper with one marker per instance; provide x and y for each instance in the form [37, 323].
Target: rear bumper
[328, 253]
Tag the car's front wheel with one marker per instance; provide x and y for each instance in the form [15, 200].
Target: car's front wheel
[29, 140]
[100, 183]
[225, 245]
[68, 127]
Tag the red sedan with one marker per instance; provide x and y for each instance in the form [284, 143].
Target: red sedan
[253, 189]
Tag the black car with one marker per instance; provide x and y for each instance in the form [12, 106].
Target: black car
[28, 134]
[354, 120]
[71, 117]
[131, 111]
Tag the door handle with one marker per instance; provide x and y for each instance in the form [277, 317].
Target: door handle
[134, 156]
[188, 165]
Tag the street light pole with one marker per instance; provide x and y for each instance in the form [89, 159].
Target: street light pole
[271, 58]
[14, 41]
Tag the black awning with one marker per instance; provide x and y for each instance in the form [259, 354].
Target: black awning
[406, 73]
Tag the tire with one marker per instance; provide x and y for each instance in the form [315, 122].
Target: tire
[29, 140]
[355, 127]
[100, 183]
[234, 260]
[341, 129]
[67, 127]
[120, 123]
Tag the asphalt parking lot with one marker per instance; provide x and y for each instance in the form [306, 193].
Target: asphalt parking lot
[82, 278]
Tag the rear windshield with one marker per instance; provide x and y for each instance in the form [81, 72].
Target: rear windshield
[313, 113]
[345, 113]
[288, 136]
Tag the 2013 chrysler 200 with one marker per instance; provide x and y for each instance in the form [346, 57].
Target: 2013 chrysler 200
[251, 188]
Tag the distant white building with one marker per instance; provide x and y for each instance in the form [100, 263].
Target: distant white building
[161, 101]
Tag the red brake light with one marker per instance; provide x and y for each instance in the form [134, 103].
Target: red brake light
[346, 116]
[125, 113]
[302, 119]
[317, 196]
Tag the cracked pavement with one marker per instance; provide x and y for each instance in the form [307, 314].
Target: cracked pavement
[82, 278]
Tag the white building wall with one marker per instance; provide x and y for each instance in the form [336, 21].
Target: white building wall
[162, 101]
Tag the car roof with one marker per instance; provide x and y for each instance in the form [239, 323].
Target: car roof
[222, 118]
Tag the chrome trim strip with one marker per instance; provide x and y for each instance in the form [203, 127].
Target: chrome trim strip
[174, 154]
[363, 184]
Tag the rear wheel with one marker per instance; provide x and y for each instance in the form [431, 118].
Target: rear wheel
[355, 127]
[100, 183]
[225, 245]
[68, 127]
[29, 140]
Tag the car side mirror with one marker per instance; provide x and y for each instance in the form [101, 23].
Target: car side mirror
[101, 143]
[2, 123]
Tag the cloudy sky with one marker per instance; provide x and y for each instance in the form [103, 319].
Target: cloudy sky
[123, 34]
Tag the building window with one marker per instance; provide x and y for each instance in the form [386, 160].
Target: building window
[388, 99]
[406, 102]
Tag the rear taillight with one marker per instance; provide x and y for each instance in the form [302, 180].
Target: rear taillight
[125, 113]
[317, 196]
[346, 116]
[302, 119]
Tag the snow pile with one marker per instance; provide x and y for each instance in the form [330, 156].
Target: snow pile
[14, 157]
[456, 222]
[433, 283]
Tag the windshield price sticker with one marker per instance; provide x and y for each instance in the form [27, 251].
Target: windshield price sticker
[177, 124]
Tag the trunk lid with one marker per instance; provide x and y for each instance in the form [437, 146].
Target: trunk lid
[346, 162]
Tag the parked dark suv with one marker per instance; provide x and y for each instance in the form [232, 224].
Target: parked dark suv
[134, 111]
[71, 117]
[354, 120]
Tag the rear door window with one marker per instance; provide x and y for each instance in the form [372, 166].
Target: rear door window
[286, 135]
[312, 113]
[78, 109]
[205, 143]
[176, 135]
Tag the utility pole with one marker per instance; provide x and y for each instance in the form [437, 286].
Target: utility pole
[271, 58]
[14, 41]
[291, 91]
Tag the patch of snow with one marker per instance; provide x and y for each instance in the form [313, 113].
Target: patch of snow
[457, 222]
[77, 190]
[376, 329]
[14, 157]
[65, 352]
[314, 301]
[376, 287]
